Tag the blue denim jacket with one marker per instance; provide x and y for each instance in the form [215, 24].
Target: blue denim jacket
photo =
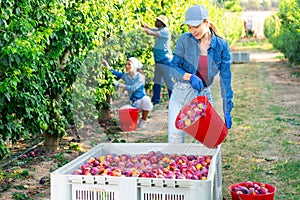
[185, 60]
[135, 86]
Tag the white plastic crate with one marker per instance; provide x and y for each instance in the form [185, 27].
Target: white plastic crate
[240, 57]
[65, 186]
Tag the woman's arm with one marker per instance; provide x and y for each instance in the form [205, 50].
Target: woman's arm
[225, 80]
[119, 75]
[114, 72]
[178, 62]
[149, 31]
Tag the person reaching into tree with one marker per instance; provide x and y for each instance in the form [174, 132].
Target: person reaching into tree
[135, 86]
[162, 56]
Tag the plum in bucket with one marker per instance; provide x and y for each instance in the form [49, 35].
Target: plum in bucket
[250, 190]
[200, 120]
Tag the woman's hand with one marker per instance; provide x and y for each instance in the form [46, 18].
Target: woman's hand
[196, 82]
[122, 86]
[105, 63]
[228, 120]
[146, 26]
[118, 85]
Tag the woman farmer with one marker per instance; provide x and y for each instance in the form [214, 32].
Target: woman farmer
[199, 56]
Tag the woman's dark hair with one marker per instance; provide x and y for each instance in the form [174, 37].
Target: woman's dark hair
[215, 29]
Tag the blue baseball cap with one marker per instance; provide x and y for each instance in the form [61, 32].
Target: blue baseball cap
[195, 15]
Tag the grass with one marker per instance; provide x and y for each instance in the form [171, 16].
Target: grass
[254, 45]
[263, 144]
[260, 145]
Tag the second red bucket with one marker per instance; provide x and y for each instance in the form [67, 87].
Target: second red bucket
[269, 196]
[128, 118]
[209, 128]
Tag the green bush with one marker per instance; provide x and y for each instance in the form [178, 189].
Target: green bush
[49, 48]
[283, 29]
[272, 28]
[233, 6]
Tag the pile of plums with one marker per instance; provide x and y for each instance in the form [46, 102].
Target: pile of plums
[251, 188]
[191, 113]
[153, 164]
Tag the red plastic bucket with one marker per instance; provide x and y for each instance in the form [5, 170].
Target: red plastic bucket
[209, 129]
[128, 118]
[269, 196]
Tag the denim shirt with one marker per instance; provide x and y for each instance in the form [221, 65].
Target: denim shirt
[186, 57]
[162, 48]
[135, 86]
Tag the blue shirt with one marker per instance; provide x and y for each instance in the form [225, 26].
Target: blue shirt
[186, 57]
[135, 86]
[162, 48]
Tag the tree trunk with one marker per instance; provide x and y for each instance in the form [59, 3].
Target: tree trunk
[105, 115]
[105, 112]
[51, 142]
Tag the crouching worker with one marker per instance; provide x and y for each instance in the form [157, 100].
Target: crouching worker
[135, 87]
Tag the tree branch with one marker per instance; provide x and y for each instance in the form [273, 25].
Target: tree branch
[62, 62]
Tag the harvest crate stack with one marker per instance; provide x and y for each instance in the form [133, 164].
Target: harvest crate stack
[66, 186]
[240, 57]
